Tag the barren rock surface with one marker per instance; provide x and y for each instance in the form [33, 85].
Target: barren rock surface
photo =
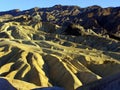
[39, 54]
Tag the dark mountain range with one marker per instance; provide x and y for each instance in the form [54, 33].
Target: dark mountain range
[100, 20]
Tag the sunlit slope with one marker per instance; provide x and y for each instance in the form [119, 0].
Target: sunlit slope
[48, 63]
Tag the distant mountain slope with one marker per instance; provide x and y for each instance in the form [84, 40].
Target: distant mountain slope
[100, 20]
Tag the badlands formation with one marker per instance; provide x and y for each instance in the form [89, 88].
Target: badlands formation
[60, 48]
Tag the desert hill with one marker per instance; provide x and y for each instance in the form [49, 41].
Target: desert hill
[100, 20]
[62, 47]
